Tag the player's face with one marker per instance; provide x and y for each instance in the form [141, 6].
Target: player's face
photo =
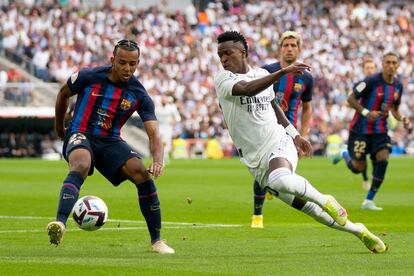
[124, 64]
[289, 50]
[369, 68]
[390, 65]
[232, 56]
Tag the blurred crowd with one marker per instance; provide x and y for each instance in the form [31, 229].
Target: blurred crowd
[178, 52]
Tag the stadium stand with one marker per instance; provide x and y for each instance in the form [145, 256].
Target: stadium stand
[51, 41]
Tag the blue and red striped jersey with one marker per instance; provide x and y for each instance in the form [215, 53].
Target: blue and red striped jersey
[290, 90]
[102, 107]
[375, 94]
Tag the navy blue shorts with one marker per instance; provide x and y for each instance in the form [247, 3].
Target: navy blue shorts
[359, 145]
[108, 156]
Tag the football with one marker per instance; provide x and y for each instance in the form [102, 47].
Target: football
[90, 213]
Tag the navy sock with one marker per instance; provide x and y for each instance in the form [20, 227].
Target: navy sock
[380, 168]
[69, 194]
[150, 207]
[259, 197]
[348, 161]
[364, 174]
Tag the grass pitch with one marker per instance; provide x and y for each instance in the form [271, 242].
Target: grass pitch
[212, 234]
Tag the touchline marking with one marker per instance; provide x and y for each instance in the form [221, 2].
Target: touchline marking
[170, 225]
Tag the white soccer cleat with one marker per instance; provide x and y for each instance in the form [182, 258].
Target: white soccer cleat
[55, 230]
[161, 247]
[372, 242]
[366, 185]
[370, 205]
[257, 221]
[335, 210]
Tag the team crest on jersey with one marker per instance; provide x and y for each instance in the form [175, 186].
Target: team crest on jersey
[396, 95]
[297, 87]
[125, 104]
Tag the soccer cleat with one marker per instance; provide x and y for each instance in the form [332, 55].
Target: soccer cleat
[336, 158]
[370, 205]
[335, 210]
[366, 185]
[257, 221]
[372, 242]
[269, 196]
[161, 247]
[55, 230]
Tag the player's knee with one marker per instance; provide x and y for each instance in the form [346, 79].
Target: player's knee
[81, 166]
[139, 174]
[359, 166]
[279, 180]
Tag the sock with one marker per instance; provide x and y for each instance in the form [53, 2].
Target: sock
[364, 174]
[380, 167]
[283, 181]
[322, 217]
[348, 161]
[259, 197]
[150, 207]
[69, 194]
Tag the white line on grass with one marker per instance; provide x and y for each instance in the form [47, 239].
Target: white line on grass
[172, 225]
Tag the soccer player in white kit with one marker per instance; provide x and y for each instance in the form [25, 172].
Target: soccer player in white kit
[267, 143]
[167, 115]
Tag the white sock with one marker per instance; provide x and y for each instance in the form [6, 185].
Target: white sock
[321, 216]
[283, 181]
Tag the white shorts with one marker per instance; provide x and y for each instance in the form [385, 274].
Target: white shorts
[284, 148]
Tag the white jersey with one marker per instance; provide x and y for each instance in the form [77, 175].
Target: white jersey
[251, 121]
[167, 115]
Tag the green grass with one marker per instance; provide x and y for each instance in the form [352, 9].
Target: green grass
[221, 193]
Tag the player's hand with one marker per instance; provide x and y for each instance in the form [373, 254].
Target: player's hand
[303, 146]
[60, 131]
[373, 115]
[297, 68]
[407, 125]
[156, 169]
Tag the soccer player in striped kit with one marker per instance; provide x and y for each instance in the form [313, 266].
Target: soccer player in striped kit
[290, 91]
[372, 100]
[106, 98]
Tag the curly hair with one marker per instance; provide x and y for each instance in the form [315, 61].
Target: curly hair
[233, 36]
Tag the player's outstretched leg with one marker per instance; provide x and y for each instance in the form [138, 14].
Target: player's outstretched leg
[150, 209]
[69, 194]
[283, 181]
[372, 242]
[258, 201]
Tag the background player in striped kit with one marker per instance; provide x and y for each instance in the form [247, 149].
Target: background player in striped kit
[368, 68]
[372, 100]
[106, 98]
[290, 90]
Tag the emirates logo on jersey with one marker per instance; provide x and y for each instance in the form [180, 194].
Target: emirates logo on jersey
[125, 104]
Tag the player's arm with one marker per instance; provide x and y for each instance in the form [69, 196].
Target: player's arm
[156, 147]
[61, 106]
[254, 87]
[397, 115]
[303, 147]
[306, 117]
[353, 100]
